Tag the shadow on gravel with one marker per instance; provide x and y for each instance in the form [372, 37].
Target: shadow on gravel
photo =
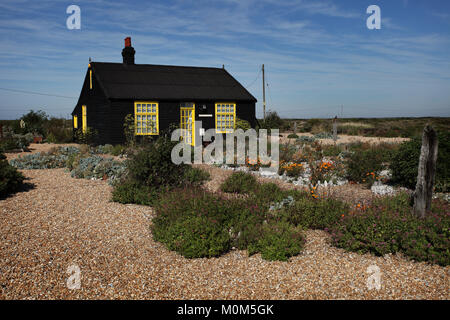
[25, 187]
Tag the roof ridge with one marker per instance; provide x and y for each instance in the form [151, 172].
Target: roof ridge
[156, 65]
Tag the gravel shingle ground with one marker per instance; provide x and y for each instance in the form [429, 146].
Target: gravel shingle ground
[65, 221]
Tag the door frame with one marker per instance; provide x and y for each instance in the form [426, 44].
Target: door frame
[192, 108]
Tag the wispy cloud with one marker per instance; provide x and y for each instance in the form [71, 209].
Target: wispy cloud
[317, 53]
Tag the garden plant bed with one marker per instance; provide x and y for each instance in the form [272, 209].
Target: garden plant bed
[65, 221]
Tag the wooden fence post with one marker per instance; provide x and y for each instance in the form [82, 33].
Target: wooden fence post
[335, 129]
[426, 172]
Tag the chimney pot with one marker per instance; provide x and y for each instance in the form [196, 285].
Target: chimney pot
[128, 42]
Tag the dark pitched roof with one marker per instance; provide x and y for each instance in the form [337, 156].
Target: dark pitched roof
[146, 81]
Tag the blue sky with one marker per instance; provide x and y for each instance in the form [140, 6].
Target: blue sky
[318, 55]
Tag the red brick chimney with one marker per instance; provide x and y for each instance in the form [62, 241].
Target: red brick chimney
[128, 42]
[128, 52]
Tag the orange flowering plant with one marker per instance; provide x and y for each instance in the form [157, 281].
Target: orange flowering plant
[254, 165]
[291, 169]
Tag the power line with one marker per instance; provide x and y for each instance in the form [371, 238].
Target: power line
[37, 93]
[253, 82]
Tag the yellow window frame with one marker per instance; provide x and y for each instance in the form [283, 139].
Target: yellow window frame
[183, 122]
[84, 117]
[146, 114]
[225, 113]
[75, 122]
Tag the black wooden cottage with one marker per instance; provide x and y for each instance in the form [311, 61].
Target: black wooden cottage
[158, 96]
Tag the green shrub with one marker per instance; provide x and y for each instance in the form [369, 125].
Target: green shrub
[315, 213]
[239, 182]
[272, 121]
[292, 136]
[389, 227]
[153, 166]
[58, 130]
[360, 163]
[278, 241]
[271, 192]
[405, 163]
[34, 122]
[242, 124]
[87, 137]
[12, 141]
[129, 192]
[10, 179]
[196, 224]
[117, 150]
[191, 222]
[197, 237]
[195, 176]
[331, 150]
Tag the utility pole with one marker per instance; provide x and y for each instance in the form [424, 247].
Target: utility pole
[264, 94]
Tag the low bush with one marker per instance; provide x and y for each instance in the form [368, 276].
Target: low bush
[389, 227]
[10, 179]
[292, 136]
[242, 124]
[153, 166]
[287, 152]
[12, 141]
[129, 192]
[192, 222]
[196, 177]
[115, 150]
[278, 241]
[360, 163]
[96, 167]
[196, 224]
[239, 182]
[315, 213]
[293, 170]
[54, 159]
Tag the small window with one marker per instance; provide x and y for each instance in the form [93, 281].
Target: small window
[75, 122]
[225, 117]
[146, 118]
[90, 79]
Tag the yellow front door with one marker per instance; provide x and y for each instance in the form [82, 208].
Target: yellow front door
[187, 123]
